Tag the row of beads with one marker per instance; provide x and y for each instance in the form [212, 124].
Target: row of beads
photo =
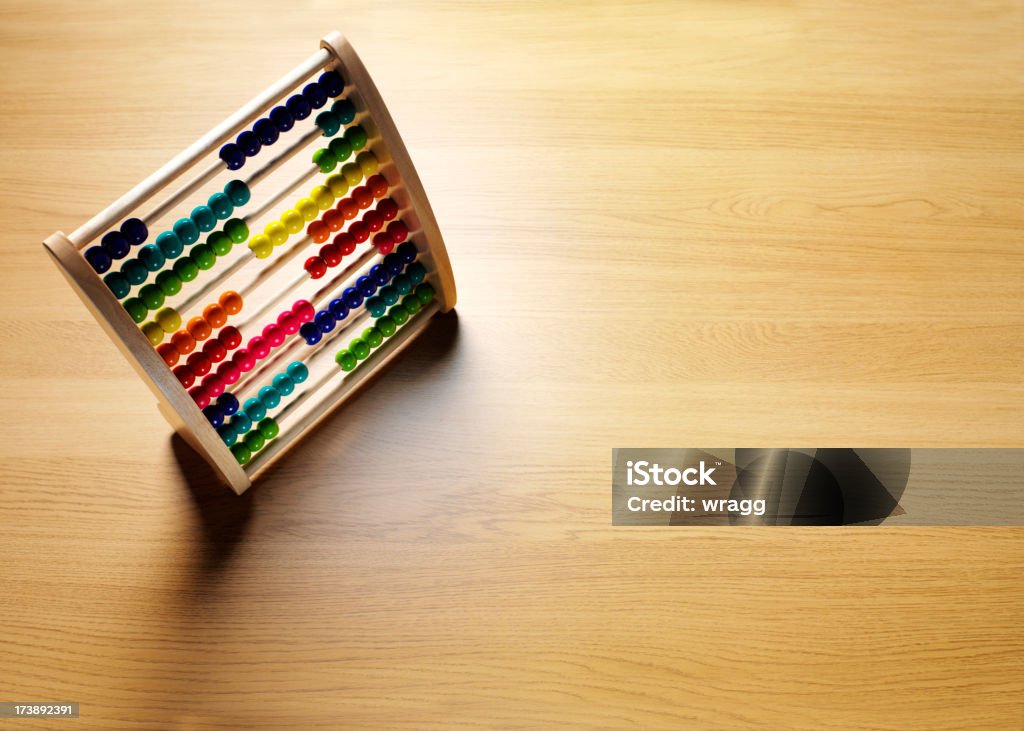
[198, 329]
[385, 326]
[339, 149]
[330, 255]
[282, 118]
[116, 245]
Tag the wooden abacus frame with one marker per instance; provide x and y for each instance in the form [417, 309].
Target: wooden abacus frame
[175, 403]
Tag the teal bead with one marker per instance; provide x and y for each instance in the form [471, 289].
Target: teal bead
[204, 218]
[297, 371]
[283, 384]
[375, 306]
[221, 205]
[415, 272]
[402, 284]
[151, 257]
[389, 294]
[134, 271]
[187, 231]
[220, 243]
[241, 423]
[118, 284]
[152, 296]
[238, 192]
[340, 148]
[186, 269]
[269, 397]
[136, 308]
[228, 434]
[237, 230]
[255, 409]
[345, 110]
[328, 123]
[169, 283]
[170, 244]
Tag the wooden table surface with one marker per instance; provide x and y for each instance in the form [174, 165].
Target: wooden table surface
[672, 224]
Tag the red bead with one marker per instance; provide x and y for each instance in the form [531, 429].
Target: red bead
[214, 385]
[200, 363]
[215, 350]
[345, 243]
[200, 396]
[383, 239]
[273, 334]
[289, 322]
[303, 310]
[399, 231]
[386, 247]
[363, 197]
[359, 231]
[388, 208]
[374, 220]
[229, 372]
[334, 220]
[185, 375]
[331, 255]
[318, 231]
[229, 337]
[169, 353]
[244, 360]
[348, 209]
[377, 184]
[258, 347]
[315, 267]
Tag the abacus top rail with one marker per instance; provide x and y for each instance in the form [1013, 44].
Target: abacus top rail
[85, 234]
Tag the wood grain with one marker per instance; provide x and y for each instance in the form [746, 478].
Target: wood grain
[749, 224]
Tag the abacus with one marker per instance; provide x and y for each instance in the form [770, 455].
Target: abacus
[330, 290]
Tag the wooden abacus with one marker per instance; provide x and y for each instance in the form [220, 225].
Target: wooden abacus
[386, 262]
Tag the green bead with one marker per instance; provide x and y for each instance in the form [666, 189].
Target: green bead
[136, 308]
[242, 453]
[325, 160]
[186, 269]
[402, 284]
[254, 440]
[341, 148]
[346, 360]
[356, 137]
[345, 110]
[204, 218]
[411, 304]
[360, 348]
[152, 296]
[151, 257]
[424, 293]
[221, 205]
[187, 231]
[329, 123]
[203, 256]
[237, 230]
[170, 244]
[169, 283]
[220, 242]
[269, 429]
[118, 284]
[373, 337]
[238, 192]
[399, 315]
[134, 271]
[386, 325]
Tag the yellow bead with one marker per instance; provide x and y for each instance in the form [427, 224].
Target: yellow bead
[277, 233]
[261, 246]
[153, 332]
[292, 221]
[337, 185]
[367, 162]
[352, 172]
[307, 208]
[168, 319]
[322, 197]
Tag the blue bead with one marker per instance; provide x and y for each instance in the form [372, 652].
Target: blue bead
[214, 416]
[366, 285]
[186, 230]
[228, 403]
[232, 156]
[135, 231]
[228, 434]
[115, 244]
[170, 245]
[352, 298]
[407, 251]
[241, 423]
[338, 309]
[269, 397]
[204, 218]
[255, 409]
[393, 263]
[375, 306]
[389, 294]
[151, 257]
[221, 205]
[297, 371]
[282, 119]
[266, 131]
[249, 143]
[283, 384]
[332, 83]
[311, 333]
[98, 259]
[379, 275]
[298, 106]
[325, 320]
[315, 95]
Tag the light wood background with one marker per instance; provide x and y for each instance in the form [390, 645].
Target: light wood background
[672, 224]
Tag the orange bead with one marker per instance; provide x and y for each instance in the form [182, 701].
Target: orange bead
[231, 302]
[348, 209]
[215, 316]
[169, 353]
[318, 231]
[183, 342]
[198, 328]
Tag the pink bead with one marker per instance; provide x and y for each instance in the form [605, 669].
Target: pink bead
[304, 311]
[214, 385]
[274, 334]
[258, 347]
[244, 360]
[289, 322]
[229, 372]
[200, 396]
